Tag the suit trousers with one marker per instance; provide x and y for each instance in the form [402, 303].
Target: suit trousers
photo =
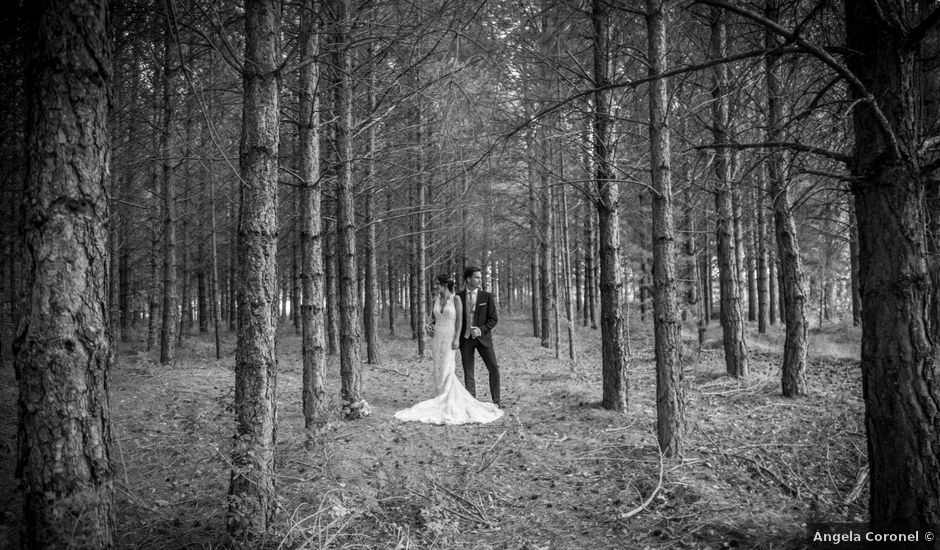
[467, 349]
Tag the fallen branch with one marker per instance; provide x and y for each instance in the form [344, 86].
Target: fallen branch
[390, 369]
[653, 494]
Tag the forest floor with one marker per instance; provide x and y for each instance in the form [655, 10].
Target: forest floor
[557, 472]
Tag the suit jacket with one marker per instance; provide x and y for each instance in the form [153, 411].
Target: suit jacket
[483, 317]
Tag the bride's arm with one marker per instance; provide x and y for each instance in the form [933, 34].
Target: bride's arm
[458, 323]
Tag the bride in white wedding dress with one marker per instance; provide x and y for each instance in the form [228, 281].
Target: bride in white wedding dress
[453, 404]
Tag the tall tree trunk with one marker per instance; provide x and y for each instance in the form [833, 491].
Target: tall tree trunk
[899, 369]
[392, 286]
[370, 311]
[793, 370]
[705, 274]
[421, 279]
[296, 283]
[669, 394]
[613, 355]
[589, 234]
[732, 315]
[534, 255]
[62, 353]
[546, 266]
[751, 266]
[311, 259]
[763, 294]
[153, 290]
[252, 492]
[350, 365]
[171, 56]
[329, 260]
[187, 316]
[853, 263]
[215, 285]
[566, 255]
[233, 261]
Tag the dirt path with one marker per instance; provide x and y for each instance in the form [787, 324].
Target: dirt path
[557, 472]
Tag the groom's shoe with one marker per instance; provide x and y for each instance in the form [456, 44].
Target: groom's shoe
[498, 405]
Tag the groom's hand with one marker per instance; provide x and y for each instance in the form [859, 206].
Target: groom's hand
[476, 332]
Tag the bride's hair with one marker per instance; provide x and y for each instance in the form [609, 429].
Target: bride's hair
[446, 280]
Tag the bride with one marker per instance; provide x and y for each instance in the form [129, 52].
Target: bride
[453, 404]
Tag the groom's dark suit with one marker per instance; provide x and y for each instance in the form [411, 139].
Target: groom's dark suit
[483, 317]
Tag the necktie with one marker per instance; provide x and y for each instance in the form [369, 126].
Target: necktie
[471, 303]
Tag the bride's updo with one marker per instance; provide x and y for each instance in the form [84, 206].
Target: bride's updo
[446, 280]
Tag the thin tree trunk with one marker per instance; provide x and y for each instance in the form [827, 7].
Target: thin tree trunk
[296, 283]
[187, 316]
[566, 251]
[311, 258]
[153, 292]
[670, 422]
[732, 317]
[421, 280]
[793, 370]
[534, 255]
[392, 287]
[329, 260]
[589, 270]
[62, 353]
[232, 262]
[751, 262]
[613, 356]
[350, 365]
[216, 307]
[371, 269]
[853, 262]
[170, 318]
[252, 491]
[763, 289]
[546, 267]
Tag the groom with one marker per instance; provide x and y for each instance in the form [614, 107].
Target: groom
[479, 320]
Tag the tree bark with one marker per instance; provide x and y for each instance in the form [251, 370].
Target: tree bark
[589, 270]
[613, 356]
[546, 266]
[62, 353]
[853, 262]
[252, 491]
[392, 287]
[899, 369]
[793, 369]
[170, 319]
[732, 315]
[370, 311]
[670, 424]
[534, 255]
[311, 260]
[763, 290]
[350, 365]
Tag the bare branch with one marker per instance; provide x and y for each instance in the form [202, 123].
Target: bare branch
[792, 145]
[823, 56]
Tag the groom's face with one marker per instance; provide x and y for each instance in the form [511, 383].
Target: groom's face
[474, 281]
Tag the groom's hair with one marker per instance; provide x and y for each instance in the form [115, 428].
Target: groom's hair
[469, 271]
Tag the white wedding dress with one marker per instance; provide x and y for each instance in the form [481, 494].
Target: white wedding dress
[453, 403]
